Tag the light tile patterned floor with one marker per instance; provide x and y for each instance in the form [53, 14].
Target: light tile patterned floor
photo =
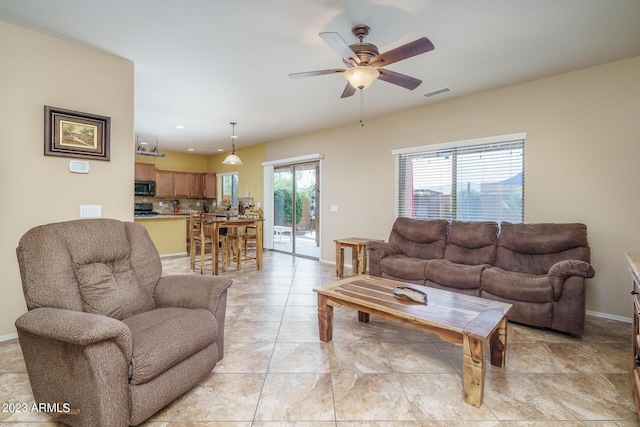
[277, 373]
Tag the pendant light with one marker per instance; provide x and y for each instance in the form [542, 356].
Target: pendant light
[232, 159]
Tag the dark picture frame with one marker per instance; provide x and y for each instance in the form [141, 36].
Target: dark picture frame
[69, 133]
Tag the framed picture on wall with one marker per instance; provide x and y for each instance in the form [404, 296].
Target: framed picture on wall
[70, 133]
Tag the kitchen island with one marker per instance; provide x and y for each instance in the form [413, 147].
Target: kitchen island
[168, 232]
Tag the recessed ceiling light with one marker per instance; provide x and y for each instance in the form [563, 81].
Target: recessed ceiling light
[190, 149]
[221, 149]
[143, 143]
[179, 127]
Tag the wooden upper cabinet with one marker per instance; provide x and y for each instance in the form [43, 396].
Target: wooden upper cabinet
[210, 185]
[196, 184]
[185, 185]
[145, 172]
[181, 184]
[164, 184]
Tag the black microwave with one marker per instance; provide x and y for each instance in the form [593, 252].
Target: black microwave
[145, 188]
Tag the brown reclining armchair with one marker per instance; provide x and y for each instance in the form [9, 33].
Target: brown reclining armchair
[104, 333]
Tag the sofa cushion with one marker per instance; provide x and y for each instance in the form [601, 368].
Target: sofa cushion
[419, 238]
[403, 267]
[453, 275]
[166, 336]
[534, 248]
[111, 289]
[472, 242]
[517, 286]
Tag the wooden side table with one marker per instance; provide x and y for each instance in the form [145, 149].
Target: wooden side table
[358, 247]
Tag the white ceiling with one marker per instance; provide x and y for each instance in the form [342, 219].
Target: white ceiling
[205, 63]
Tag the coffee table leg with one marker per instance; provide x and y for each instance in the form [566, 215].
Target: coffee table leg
[325, 319]
[498, 344]
[473, 370]
[362, 259]
[363, 317]
[339, 261]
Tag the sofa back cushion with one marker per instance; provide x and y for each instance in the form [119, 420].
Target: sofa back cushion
[87, 265]
[534, 248]
[420, 238]
[472, 243]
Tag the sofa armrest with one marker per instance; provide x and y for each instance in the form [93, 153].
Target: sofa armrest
[378, 250]
[191, 291]
[561, 270]
[76, 327]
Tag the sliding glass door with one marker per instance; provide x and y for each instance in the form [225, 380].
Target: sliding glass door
[295, 209]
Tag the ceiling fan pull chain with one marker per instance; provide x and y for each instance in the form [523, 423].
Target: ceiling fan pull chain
[361, 107]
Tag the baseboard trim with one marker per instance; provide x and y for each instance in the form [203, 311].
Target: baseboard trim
[609, 316]
[9, 337]
[176, 254]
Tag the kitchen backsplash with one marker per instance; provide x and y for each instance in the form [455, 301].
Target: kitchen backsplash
[187, 205]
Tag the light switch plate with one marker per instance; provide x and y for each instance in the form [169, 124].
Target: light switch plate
[334, 208]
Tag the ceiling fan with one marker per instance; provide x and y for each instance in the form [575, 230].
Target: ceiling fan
[365, 64]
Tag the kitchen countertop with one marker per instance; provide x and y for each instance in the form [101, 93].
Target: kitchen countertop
[177, 216]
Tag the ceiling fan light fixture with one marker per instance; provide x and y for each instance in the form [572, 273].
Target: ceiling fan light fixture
[361, 77]
[232, 159]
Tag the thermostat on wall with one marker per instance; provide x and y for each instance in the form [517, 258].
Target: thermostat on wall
[78, 166]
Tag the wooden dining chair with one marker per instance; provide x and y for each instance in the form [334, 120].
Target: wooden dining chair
[201, 235]
[251, 239]
[240, 238]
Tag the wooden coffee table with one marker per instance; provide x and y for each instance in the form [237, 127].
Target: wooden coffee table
[456, 318]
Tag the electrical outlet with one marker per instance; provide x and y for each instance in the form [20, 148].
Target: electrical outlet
[334, 208]
[90, 211]
[160, 204]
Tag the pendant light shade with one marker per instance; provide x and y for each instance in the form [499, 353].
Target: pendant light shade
[232, 159]
[361, 77]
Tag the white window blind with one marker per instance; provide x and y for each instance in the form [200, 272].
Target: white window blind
[470, 182]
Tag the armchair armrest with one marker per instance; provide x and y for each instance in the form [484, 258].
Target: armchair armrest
[561, 270]
[190, 291]
[76, 327]
[378, 250]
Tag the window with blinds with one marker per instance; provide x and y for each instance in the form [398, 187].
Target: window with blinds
[479, 180]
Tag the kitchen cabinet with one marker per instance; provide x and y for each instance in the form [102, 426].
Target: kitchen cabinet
[210, 185]
[145, 172]
[196, 185]
[164, 184]
[181, 184]
[184, 185]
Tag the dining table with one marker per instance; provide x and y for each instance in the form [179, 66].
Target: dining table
[215, 223]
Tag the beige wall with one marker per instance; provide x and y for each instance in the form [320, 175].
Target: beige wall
[581, 161]
[178, 162]
[38, 70]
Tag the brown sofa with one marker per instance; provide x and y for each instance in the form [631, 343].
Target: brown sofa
[104, 333]
[539, 268]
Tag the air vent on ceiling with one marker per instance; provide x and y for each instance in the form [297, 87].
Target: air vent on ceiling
[437, 92]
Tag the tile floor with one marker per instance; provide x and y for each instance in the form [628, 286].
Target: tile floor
[277, 373]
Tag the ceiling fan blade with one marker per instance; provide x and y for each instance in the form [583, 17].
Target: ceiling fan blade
[315, 73]
[338, 44]
[348, 91]
[403, 80]
[408, 50]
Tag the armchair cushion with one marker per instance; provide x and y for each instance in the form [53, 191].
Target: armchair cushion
[150, 331]
[111, 290]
